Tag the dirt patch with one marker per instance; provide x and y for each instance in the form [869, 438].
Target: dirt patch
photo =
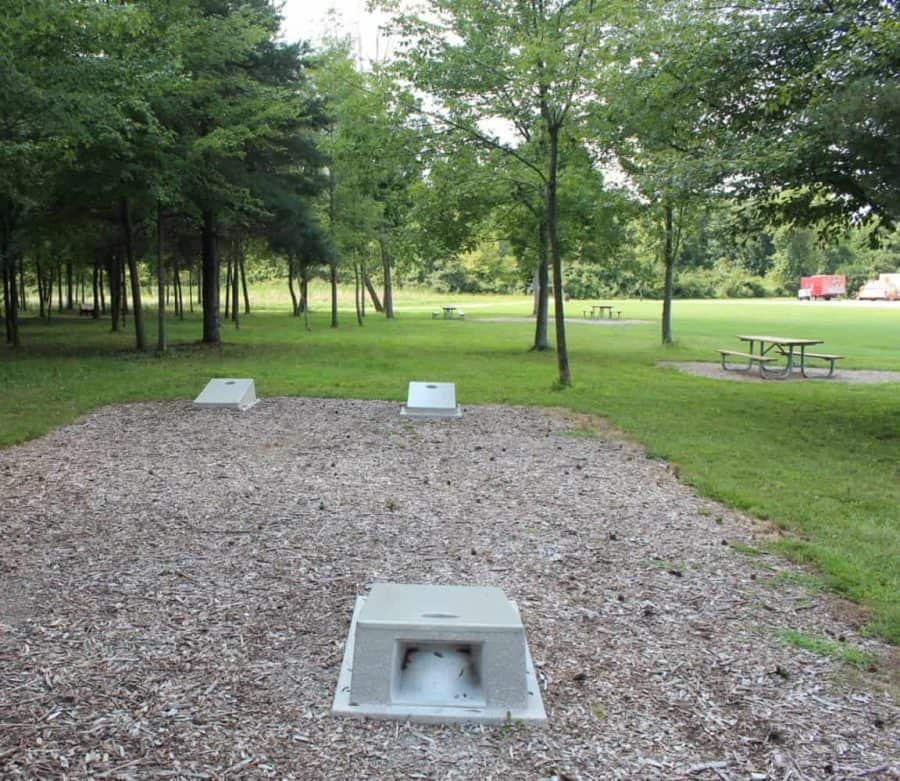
[190, 576]
[716, 372]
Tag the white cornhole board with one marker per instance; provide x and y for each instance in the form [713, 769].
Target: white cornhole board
[438, 654]
[431, 400]
[229, 393]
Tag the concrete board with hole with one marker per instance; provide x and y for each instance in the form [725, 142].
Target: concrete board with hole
[438, 654]
[431, 400]
[228, 393]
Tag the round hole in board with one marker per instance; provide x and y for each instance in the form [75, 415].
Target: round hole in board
[431, 386]
[229, 382]
[439, 615]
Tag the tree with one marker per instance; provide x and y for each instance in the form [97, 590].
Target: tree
[652, 119]
[527, 62]
[40, 51]
[811, 92]
[373, 152]
[243, 120]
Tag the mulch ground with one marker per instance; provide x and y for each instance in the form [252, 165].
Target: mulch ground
[176, 586]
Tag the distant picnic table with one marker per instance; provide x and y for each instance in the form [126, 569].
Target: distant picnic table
[450, 313]
[766, 350]
[596, 312]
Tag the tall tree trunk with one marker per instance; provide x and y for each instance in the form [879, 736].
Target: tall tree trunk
[10, 288]
[23, 298]
[388, 299]
[45, 289]
[334, 297]
[362, 287]
[179, 290]
[332, 186]
[59, 287]
[4, 269]
[295, 306]
[139, 336]
[373, 293]
[160, 283]
[542, 285]
[10, 298]
[295, 303]
[210, 275]
[191, 287]
[304, 297]
[304, 291]
[115, 288]
[41, 288]
[228, 264]
[70, 303]
[235, 316]
[244, 285]
[102, 290]
[669, 264]
[95, 282]
[562, 354]
[358, 293]
[7, 298]
[123, 290]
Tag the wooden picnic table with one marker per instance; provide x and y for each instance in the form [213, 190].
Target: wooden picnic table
[786, 346]
[448, 312]
[596, 311]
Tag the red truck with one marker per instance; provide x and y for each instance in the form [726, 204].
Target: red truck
[822, 286]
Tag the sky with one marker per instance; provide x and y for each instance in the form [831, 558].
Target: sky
[307, 20]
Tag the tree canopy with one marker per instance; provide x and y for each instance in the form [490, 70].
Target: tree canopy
[572, 146]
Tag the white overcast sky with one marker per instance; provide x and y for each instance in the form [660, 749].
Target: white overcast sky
[308, 20]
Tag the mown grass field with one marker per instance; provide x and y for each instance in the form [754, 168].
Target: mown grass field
[819, 459]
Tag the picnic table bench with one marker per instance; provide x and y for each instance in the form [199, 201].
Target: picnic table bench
[822, 357]
[86, 309]
[751, 359]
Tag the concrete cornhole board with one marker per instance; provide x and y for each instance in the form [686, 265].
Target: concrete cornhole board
[228, 393]
[431, 400]
[438, 654]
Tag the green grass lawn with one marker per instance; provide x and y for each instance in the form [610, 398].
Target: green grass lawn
[820, 459]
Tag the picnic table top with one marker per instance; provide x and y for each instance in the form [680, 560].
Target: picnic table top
[784, 340]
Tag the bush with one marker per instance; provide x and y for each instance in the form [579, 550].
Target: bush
[720, 281]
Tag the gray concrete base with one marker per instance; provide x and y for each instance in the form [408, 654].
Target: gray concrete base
[227, 393]
[532, 712]
[431, 400]
[430, 412]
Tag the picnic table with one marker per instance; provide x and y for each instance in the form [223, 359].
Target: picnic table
[596, 312]
[450, 313]
[764, 350]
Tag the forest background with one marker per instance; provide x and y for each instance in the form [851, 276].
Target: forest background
[657, 150]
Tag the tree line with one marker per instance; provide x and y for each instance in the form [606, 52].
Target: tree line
[571, 145]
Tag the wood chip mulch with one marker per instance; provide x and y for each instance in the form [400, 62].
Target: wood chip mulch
[176, 585]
